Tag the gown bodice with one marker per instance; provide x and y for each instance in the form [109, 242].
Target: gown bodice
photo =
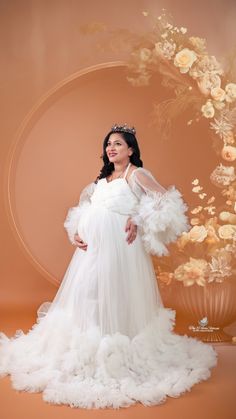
[115, 196]
[158, 212]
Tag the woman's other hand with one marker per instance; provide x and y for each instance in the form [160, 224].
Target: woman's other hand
[131, 228]
[80, 243]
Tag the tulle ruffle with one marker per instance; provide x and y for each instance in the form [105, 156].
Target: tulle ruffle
[89, 370]
[161, 218]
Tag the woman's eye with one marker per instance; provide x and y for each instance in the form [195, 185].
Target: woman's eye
[109, 144]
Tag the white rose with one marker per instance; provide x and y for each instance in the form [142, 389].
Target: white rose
[228, 153]
[227, 231]
[230, 89]
[197, 233]
[184, 59]
[218, 94]
[208, 110]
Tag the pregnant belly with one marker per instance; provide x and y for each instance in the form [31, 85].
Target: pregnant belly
[98, 223]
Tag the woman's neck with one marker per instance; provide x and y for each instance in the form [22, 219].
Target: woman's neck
[120, 167]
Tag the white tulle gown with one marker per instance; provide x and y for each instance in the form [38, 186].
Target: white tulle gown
[106, 340]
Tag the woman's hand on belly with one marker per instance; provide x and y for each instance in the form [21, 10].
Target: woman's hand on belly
[131, 228]
[80, 243]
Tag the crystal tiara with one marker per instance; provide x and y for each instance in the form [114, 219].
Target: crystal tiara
[123, 128]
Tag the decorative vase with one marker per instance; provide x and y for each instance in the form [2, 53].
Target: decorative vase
[207, 310]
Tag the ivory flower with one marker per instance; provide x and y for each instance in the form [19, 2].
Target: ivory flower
[194, 221]
[224, 215]
[218, 105]
[165, 49]
[198, 43]
[207, 82]
[207, 68]
[202, 195]
[219, 268]
[183, 240]
[165, 277]
[223, 175]
[197, 189]
[228, 217]
[164, 35]
[145, 54]
[230, 90]
[218, 94]
[228, 153]
[221, 126]
[192, 272]
[227, 231]
[198, 233]
[184, 59]
[212, 237]
[210, 209]
[208, 110]
[197, 210]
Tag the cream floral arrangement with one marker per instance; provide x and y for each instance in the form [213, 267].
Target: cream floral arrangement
[207, 253]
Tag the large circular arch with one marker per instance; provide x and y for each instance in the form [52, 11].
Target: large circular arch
[56, 153]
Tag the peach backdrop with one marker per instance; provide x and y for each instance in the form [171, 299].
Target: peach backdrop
[59, 96]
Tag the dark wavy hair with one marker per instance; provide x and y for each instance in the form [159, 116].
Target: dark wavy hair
[108, 166]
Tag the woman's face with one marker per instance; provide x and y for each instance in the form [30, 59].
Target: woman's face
[117, 149]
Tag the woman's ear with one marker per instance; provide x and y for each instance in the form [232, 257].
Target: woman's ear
[130, 151]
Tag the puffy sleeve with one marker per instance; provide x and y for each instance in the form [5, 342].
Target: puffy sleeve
[74, 213]
[160, 213]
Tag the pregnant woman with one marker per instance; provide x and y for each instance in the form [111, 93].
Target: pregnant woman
[106, 340]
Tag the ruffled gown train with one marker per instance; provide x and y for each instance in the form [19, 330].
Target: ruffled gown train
[106, 340]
